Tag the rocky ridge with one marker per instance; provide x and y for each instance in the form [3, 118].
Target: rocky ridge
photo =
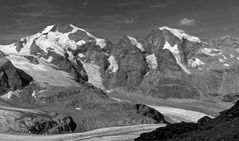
[224, 127]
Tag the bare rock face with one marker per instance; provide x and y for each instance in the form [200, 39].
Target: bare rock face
[223, 127]
[11, 78]
[80, 35]
[132, 65]
[55, 124]
[157, 64]
[150, 112]
[63, 28]
[35, 123]
[19, 45]
[169, 63]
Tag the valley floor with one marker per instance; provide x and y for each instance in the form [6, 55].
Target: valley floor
[211, 108]
[125, 133]
[174, 111]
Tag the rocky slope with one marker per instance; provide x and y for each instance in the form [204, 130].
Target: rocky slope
[169, 63]
[90, 108]
[18, 121]
[222, 128]
[11, 78]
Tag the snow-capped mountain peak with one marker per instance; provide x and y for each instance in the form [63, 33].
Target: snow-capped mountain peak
[55, 38]
[181, 34]
[57, 46]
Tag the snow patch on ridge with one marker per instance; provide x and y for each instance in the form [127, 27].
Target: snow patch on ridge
[8, 95]
[93, 72]
[49, 59]
[195, 62]
[181, 34]
[101, 42]
[113, 64]
[221, 60]
[136, 43]
[34, 94]
[226, 65]
[175, 51]
[238, 58]
[48, 29]
[211, 51]
[81, 55]
[152, 61]
[81, 43]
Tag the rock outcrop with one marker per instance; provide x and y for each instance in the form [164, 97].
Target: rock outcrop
[27, 122]
[11, 78]
[224, 127]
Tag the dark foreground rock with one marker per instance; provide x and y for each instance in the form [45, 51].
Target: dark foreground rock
[54, 123]
[21, 121]
[11, 78]
[225, 127]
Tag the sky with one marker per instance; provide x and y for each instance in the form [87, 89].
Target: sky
[112, 18]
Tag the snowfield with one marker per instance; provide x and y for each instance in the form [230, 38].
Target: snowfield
[152, 61]
[195, 62]
[179, 115]
[93, 72]
[43, 72]
[113, 64]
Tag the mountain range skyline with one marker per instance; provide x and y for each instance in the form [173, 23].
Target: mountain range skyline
[112, 19]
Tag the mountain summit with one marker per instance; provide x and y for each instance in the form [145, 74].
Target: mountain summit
[57, 46]
[66, 55]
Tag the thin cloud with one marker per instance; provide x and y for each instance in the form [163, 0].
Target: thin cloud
[123, 4]
[5, 7]
[187, 22]
[30, 14]
[119, 19]
[47, 10]
[11, 37]
[159, 5]
[85, 3]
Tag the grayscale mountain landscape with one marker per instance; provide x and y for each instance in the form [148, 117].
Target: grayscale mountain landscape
[119, 70]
